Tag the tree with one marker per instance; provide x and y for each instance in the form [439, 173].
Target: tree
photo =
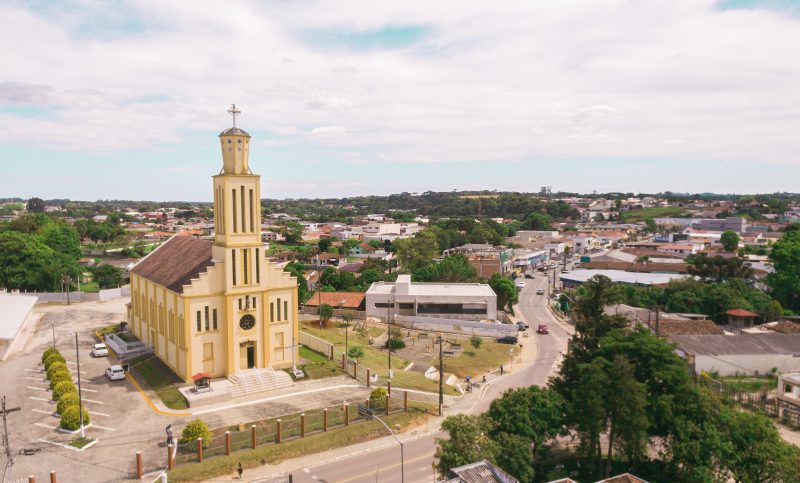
[627, 416]
[514, 457]
[194, 429]
[324, 244]
[650, 225]
[587, 409]
[325, 313]
[355, 352]
[27, 263]
[296, 269]
[293, 232]
[718, 268]
[784, 282]
[418, 251]
[468, 442]
[729, 240]
[476, 341]
[506, 291]
[453, 269]
[63, 239]
[538, 221]
[535, 414]
[35, 205]
[107, 276]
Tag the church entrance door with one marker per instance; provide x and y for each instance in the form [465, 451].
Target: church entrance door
[247, 355]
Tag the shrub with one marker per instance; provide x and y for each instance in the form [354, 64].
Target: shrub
[58, 377]
[62, 388]
[67, 400]
[53, 358]
[476, 341]
[56, 367]
[377, 398]
[394, 344]
[49, 352]
[196, 429]
[355, 352]
[71, 418]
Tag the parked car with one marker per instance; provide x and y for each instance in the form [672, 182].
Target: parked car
[99, 350]
[522, 326]
[543, 329]
[528, 275]
[540, 291]
[507, 339]
[520, 283]
[115, 373]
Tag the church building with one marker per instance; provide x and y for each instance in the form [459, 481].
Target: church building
[218, 307]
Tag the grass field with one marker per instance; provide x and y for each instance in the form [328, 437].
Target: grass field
[90, 287]
[750, 384]
[644, 213]
[474, 362]
[160, 379]
[272, 454]
[317, 366]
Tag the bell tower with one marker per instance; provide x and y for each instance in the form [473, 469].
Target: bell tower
[237, 210]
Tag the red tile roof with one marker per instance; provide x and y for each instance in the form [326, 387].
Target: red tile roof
[345, 300]
[176, 262]
[741, 313]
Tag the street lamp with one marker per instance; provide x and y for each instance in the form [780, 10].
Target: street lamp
[402, 464]
[80, 396]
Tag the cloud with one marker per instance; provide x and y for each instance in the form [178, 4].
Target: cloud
[328, 131]
[329, 102]
[20, 92]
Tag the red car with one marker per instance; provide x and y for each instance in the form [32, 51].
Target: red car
[543, 329]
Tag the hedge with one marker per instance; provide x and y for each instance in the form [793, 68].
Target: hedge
[58, 377]
[53, 358]
[62, 388]
[50, 351]
[56, 367]
[71, 419]
[67, 400]
[196, 429]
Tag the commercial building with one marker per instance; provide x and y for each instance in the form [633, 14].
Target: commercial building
[580, 276]
[17, 313]
[467, 301]
[747, 354]
[486, 259]
[220, 306]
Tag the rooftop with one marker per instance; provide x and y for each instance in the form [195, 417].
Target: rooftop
[176, 262]
[337, 299]
[741, 313]
[619, 276]
[15, 309]
[739, 344]
[433, 289]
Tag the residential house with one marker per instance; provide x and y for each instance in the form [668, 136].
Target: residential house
[486, 259]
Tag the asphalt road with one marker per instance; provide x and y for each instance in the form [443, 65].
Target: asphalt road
[383, 464]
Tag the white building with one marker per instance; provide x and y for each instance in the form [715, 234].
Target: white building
[16, 312]
[467, 301]
[728, 355]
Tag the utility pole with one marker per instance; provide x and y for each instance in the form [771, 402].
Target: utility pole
[441, 376]
[80, 394]
[389, 336]
[54, 334]
[658, 332]
[9, 454]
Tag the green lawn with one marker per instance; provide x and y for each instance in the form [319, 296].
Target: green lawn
[645, 213]
[378, 362]
[158, 377]
[475, 362]
[272, 454]
[90, 287]
[750, 384]
[317, 366]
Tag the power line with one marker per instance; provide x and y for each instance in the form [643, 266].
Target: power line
[9, 454]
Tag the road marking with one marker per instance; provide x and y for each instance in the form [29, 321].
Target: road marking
[51, 442]
[35, 378]
[43, 412]
[272, 398]
[40, 399]
[87, 390]
[103, 427]
[100, 414]
[46, 426]
[384, 468]
[306, 470]
[92, 401]
[36, 388]
[149, 402]
[34, 370]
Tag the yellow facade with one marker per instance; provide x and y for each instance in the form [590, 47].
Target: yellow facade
[241, 312]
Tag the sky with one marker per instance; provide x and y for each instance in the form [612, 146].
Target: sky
[125, 100]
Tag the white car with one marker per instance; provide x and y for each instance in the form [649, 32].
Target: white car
[115, 373]
[520, 284]
[100, 350]
[540, 291]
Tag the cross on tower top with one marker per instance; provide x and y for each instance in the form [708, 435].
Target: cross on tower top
[234, 112]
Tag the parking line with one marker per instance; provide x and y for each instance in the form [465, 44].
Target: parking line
[36, 388]
[51, 442]
[35, 378]
[43, 412]
[46, 426]
[103, 427]
[100, 414]
[92, 401]
[34, 370]
[40, 399]
[87, 390]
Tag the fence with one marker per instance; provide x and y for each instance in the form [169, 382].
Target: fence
[315, 343]
[467, 327]
[286, 428]
[761, 401]
[313, 310]
[76, 297]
